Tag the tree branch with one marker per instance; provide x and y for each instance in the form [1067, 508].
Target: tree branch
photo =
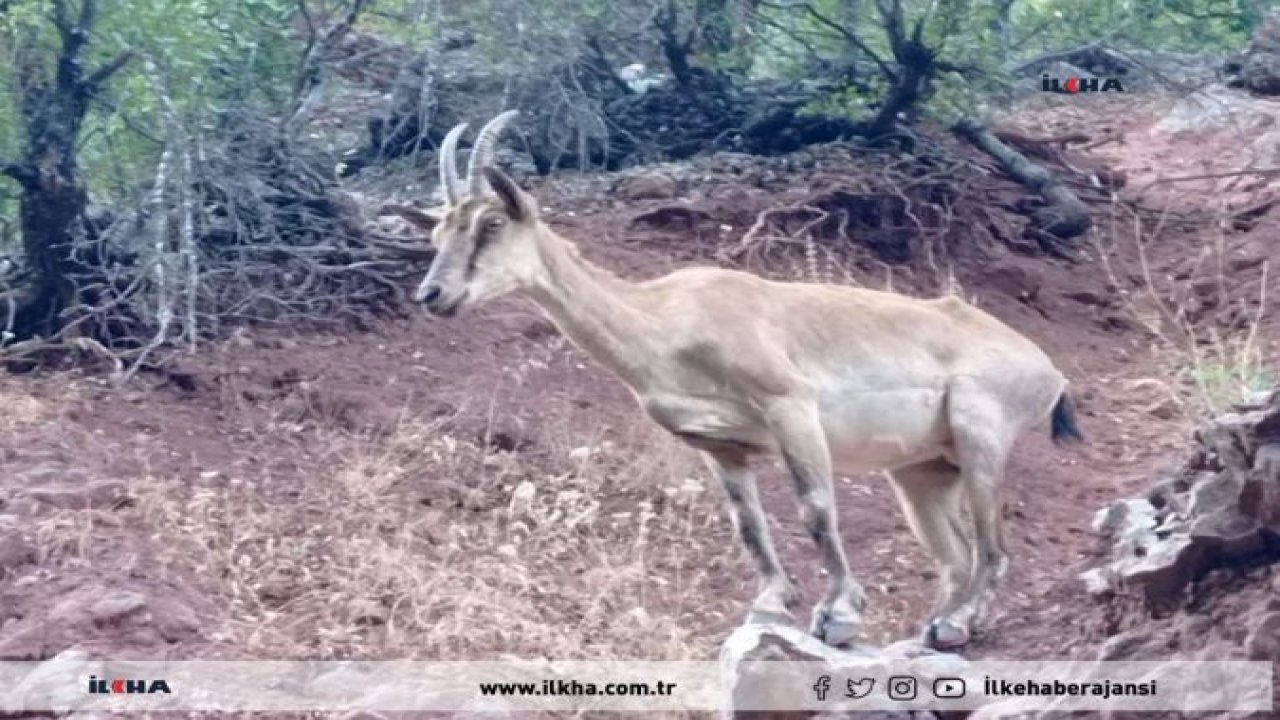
[310, 78]
[305, 12]
[88, 12]
[61, 20]
[20, 174]
[853, 39]
[102, 74]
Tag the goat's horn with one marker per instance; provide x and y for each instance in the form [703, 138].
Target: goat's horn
[449, 183]
[483, 149]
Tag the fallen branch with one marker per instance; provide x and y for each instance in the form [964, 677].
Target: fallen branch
[1064, 217]
[408, 251]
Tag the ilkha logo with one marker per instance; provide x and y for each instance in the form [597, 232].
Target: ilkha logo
[1073, 85]
[122, 686]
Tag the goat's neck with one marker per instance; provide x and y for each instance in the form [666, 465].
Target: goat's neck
[593, 307]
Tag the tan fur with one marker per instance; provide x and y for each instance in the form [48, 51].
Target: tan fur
[831, 378]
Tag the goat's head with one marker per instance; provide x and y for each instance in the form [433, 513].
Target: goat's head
[483, 234]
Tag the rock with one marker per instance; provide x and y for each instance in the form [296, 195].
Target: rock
[1206, 289]
[1267, 462]
[56, 684]
[1125, 519]
[1247, 256]
[173, 619]
[1015, 280]
[116, 605]
[1088, 297]
[750, 670]
[1166, 494]
[1098, 581]
[649, 186]
[364, 611]
[1155, 397]
[1245, 262]
[1263, 642]
[1124, 645]
[1222, 504]
[15, 552]
[1162, 568]
[1164, 409]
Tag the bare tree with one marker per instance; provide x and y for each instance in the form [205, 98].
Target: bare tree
[54, 95]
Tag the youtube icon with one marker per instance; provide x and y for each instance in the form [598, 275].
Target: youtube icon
[948, 688]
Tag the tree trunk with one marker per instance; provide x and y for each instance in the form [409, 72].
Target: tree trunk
[54, 199]
[51, 217]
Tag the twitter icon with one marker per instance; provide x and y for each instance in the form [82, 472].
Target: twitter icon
[860, 688]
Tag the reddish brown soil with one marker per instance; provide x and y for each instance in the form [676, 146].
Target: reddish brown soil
[501, 376]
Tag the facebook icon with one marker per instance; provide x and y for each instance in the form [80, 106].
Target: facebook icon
[822, 687]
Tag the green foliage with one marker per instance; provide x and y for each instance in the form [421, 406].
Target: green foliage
[202, 54]
[1219, 385]
[1175, 25]
[209, 55]
[985, 39]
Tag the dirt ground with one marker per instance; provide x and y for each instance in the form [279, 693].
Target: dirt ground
[476, 487]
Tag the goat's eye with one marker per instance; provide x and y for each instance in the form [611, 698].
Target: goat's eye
[494, 224]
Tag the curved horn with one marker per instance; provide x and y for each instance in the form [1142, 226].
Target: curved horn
[483, 149]
[449, 183]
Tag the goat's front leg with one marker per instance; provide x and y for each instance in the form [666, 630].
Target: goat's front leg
[777, 596]
[804, 447]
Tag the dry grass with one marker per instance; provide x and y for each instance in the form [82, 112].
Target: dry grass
[420, 544]
[1211, 365]
[20, 409]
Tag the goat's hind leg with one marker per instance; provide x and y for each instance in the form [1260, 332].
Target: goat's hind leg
[930, 494]
[982, 438]
[777, 595]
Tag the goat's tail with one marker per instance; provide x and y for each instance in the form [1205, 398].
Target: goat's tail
[1064, 428]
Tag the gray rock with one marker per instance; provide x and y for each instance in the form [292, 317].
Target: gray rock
[750, 671]
[1263, 642]
[15, 551]
[649, 186]
[1125, 519]
[1222, 504]
[57, 683]
[116, 605]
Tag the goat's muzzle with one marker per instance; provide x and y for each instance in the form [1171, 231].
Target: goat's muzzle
[437, 303]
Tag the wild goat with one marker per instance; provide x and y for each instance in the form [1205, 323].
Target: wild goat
[933, 391]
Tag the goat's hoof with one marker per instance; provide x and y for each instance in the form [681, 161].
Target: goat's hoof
[832, 630]
[942, 634]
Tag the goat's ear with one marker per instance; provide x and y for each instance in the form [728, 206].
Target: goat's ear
[421, 219]
[518, 203]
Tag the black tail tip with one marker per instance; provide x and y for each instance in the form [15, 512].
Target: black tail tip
[1065, 430]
